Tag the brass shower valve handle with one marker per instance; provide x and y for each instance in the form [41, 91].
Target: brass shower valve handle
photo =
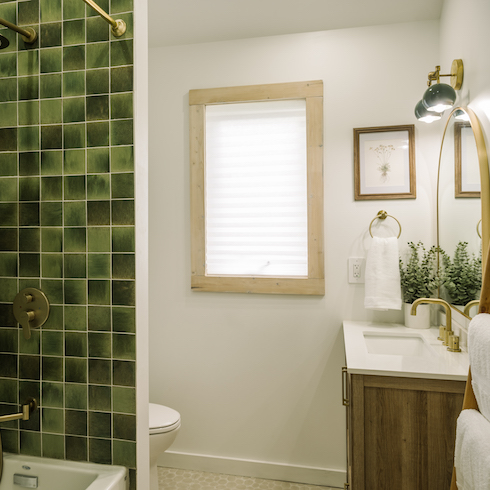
[31, 309]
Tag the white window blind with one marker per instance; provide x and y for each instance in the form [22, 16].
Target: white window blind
[256, 189]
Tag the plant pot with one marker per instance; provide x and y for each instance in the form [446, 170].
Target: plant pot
[420, 320]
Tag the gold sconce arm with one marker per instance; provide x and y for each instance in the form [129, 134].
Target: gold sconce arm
[29, 35]
[29, 407]
[118, 26]
[456, 75]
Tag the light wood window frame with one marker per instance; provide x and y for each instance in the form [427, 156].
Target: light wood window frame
[312, 92]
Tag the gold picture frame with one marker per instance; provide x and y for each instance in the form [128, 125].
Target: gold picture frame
[384, 163]
[464, 150]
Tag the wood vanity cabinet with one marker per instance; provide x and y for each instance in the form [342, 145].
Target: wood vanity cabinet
[401, 432]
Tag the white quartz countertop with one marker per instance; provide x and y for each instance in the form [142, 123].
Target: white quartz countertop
[432, 360]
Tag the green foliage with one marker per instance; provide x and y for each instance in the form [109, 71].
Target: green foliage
[419, 277]
[462, 276]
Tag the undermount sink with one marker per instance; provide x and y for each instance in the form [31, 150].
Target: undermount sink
[397, 345]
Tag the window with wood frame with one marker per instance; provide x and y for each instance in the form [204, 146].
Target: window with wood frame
[256, 156]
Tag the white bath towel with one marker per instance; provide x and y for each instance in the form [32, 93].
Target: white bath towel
[472, 451]
[479, 353]
[382, 277]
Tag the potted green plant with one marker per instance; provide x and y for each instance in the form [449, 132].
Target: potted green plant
[419, 279]
[462, 275]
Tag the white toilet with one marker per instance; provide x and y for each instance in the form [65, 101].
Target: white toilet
[164, 425]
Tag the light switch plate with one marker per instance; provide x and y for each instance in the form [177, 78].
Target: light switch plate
[357, 266]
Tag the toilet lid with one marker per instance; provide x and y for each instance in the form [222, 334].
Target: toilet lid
[163, 419]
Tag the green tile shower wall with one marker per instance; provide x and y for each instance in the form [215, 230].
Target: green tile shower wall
[67, 227]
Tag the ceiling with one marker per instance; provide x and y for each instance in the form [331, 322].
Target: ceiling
[174, 22]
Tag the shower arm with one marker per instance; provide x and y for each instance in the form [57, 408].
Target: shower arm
[29, 35]
[118, 27]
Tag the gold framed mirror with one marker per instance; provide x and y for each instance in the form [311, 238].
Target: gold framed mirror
[463, 192]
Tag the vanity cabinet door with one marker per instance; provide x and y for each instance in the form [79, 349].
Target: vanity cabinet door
[402, 432]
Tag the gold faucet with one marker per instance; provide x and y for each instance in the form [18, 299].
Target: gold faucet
[445, 333]
[470, 305]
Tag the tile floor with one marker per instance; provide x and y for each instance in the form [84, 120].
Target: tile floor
[174, 479]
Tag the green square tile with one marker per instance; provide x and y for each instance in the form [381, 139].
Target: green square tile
[52, 394]
[8, 10]
[103, 4]
[28, 87]
[29, 163]
[52, 239]
[8, 240]
[29, 265]
[99, 292]
[74, 58]
[121, 52]
[31, 346]
[8, 165]
[8, 139]
[122, 185]
[75, 266]
[74, 214]
[124, 373]
[50, 10]
[97, 108]
[123, 266]
[98, 134]
[28, 62]
[8, 189]
[29, 188]
[8, 214]
[100, 371]
[74, 135]
[9, 114]
[100, 424]
[76, 396]
[52, 368]
[75, 344]
[99, 397]
[51, 60]
[51, 188]
[75, 239]
[8, 65]
[121, 6]
[99, 318]
[30, 442]
[122, 132]
[97, 160]
[50, 111]
[76, 318]
[74, 32]
[74, 109]
[28, 138]
[29, 283]
[74, 187]
[97, 81]
[73, 83]
[8, 343]
[121, 106]
[124, 400]
[51, 137]
[8, 89]
[28, 12]
[98, 187]
[98, 212]
[99, 266]
[28, 112]
[97, 55]
[76, 448]
[29, 366]
[53, 446]
[8, 290]
[55, 319]
[124, 427]
[8, 366]
[29, 214]
[99, 239]
[75, 370]
[52, 265]
[123, 293]
[51, 213]
[53, 289]
[52, 343]
[50, 86]
[100, 451]
[97, 30]
[74, 162]
[123, 212]
[124, 347]
[50, 35]
[53, 420]
[29, 239]
[73, 10]
[75, 291]
[51, 162]
[10, 440]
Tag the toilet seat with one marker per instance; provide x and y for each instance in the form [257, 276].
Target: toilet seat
[163, 419]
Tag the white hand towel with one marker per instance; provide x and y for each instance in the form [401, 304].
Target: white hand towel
[479, 353]
[382, 276]
[472, 451]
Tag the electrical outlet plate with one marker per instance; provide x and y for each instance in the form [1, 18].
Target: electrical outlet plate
[356, 267]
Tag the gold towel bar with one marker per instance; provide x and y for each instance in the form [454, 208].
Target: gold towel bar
[29, 35]
[29, 407]
[118, 26]
[383, 215]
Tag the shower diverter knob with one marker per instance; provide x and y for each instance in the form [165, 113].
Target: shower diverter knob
[31, 309]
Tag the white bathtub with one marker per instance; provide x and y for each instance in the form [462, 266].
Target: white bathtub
[55, 474]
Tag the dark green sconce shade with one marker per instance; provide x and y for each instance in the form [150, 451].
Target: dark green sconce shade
[422, 114]
[439, 97]
[4, 42]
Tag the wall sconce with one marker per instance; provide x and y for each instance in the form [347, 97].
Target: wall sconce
[441, 96]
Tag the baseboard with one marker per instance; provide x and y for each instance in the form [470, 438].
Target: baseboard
[257, 469]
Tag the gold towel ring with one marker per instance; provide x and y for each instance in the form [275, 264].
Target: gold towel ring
[477, 230]
[383, 215]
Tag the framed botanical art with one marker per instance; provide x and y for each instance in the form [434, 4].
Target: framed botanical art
[384, 163]
[466, 163]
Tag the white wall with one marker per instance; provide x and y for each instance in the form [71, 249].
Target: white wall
[257, 377]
